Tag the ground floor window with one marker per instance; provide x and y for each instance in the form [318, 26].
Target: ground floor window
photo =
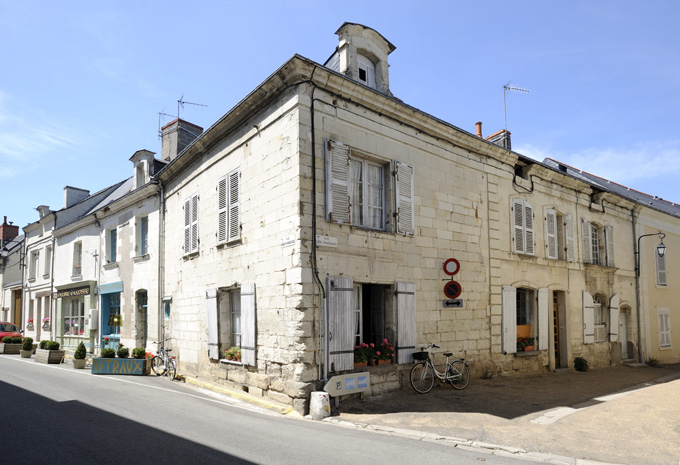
[369, 313]
[112, 320]
[73, 321]
[525, 319]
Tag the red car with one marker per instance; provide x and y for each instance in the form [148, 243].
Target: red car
[9, 329]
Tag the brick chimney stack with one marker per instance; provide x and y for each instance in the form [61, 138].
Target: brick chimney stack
[478, 124]
[176, 136]
[8, 231]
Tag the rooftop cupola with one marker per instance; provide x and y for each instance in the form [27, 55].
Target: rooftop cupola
[362, 56]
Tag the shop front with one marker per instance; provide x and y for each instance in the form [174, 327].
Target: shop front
[112, 318]
[70, 327]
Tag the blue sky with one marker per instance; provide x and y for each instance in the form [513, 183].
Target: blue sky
[82, 82]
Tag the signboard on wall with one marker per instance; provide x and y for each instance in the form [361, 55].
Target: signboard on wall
[350, 383]
[76, 292]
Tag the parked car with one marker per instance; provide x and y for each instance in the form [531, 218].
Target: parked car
[9, 329]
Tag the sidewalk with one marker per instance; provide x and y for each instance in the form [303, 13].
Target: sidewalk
[568, 414]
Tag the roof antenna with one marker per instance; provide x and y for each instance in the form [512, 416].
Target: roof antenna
[506, 88]
[181, 103]
[160, 116]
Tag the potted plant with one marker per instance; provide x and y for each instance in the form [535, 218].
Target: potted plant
[29, 324]
[233, 354]
[122, 351]
[49, 352]
[364, 354]
[385, 352]
[46, 323]
[525, 344]
[108, 353]
[10, 345]
[79, 357]
[27, 347]
[139, 353]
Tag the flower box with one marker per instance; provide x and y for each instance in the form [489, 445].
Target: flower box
[49, 356]
[121, 366]
[9, 348]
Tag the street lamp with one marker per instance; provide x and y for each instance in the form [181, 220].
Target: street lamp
[661, 251]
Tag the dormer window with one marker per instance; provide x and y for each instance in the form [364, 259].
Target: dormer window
[366, 71]
[140, 174]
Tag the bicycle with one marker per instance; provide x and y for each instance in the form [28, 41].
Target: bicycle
[162, 363]
[423, 372]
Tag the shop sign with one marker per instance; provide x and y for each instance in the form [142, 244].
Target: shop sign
[117, 366]
[78, 291]
[110, 288]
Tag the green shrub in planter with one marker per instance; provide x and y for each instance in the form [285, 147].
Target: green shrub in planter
[80, 352]
[139, 353]
[43, 344]
[16, 340]
[27, 344]
[52, 345]
[580, 364]
[122, 351]
[108, 353]
[7, 340]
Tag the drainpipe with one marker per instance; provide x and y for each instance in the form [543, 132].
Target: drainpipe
[161, 255]
[636, 254]
[54, 254]
[99, 278]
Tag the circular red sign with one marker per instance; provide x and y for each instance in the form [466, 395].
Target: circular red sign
[451, 266]
[452, 289]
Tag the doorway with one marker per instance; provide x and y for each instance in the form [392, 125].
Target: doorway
[623, 336]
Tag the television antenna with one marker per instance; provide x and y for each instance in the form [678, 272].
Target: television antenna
[181, 102]
[161, 114]
[507, 88]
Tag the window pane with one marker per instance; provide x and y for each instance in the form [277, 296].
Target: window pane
[595, 237]
[357, 192]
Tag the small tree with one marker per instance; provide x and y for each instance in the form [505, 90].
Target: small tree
[108, 353]
[138, 353]
[80, 352]
[53, 345]
[27, 344]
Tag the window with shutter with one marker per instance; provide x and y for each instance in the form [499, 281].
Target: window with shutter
[661, 276]
[587, 243]
[614, 317]
[569, 237]
[551, 235]
[664, 317]
[609, 244]
[509, 319]
[337, 182]
[588, 319]
[228, 208]
[191, 225]
[523, 228]
[248, 324]
[234, 206]
[406, 321]
[212, 324]
[404, 184]
[340, 323]
[222, 211]
[543, 318]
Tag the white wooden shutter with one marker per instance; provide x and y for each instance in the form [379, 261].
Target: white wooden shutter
[212, 324]
[337, 182]
[588, 319]
[551, 241]
[509, 319]
[614, 317]
[587, 241]
[406, 321]
[518, 228]
[543, 319]
[403, 183]
[187, 226]
[609, 243]
[234, 205]
[248, 324]
[194, 223]
[222, 212]
[664, 327]
[528, 228]
[570, 245]
[661, 275]
[340, 292]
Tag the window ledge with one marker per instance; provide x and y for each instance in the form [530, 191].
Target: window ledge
[228, 245]
[192, 255]
[141, 258]
[76, 277]
[230, 362]
[111, 266]
[533, 353]
[31, 280]
[46, 276]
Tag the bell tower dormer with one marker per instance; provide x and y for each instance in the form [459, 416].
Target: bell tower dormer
[362, 56]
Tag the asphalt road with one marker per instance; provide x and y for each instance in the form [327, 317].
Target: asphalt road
[58, 415]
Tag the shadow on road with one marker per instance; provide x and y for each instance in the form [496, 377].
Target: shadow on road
[38, 430]
[513, 396]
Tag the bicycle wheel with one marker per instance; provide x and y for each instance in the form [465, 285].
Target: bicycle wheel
[171, 370]
[157, 365]
[458, 374]
[422, 378]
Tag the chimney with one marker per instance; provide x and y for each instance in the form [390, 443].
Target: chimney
[501, 138]
[478, 124]
[8, 231]
[73, 195]
[176, 136]
[44, 210]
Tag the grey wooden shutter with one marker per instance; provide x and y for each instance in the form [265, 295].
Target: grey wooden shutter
[248, 324]
[340, 292]
[518, 228]
[529, 228]
[663, 314]
[187, 226]
[403, 183]
[609, 243]
[661, 275]
[222, 213]
[543, 319]
[194, 223]
[406, 321]
[551, 241]
[570, 244]
[212, 324]
[337, 182]
[234, 205]
[588, 319]
[509, 319]
[614, 317]
[587, 241]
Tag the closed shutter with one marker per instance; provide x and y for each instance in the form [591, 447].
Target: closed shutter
[543, 319]
[340, 329]
[661, 276]
[194, 223]
[664, 327]
[222, 212]
[337, 182]
[570, 245]
[234, 205]
[587, 241]
[614, 317]
[518, 228]
[609, 243]
[551, 242]
[528, 228]
[212, 324]
[187, 226]
[588, 319]
[509, 319]
[406, 321]
[248, 324]
[403, 182]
